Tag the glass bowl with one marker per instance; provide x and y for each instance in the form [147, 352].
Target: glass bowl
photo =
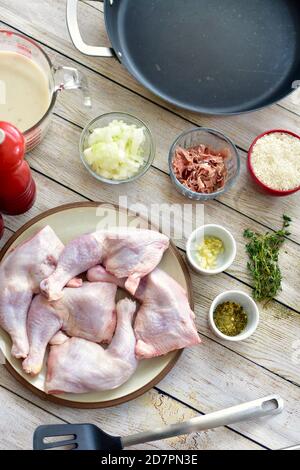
[216, 141]
[103, 121]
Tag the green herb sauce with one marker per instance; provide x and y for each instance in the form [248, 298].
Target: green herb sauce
[230, 318]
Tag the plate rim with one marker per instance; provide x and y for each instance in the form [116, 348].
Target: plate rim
[137, 393]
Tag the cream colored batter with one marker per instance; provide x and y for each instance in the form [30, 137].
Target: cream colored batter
[25, 90]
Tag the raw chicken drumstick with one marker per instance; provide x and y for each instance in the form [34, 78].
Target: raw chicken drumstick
[125, 252]
[80, 366]
[87, 312]
[165, 321]
[20, 275]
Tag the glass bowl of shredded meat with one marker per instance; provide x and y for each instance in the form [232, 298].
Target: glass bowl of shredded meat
[203, 164]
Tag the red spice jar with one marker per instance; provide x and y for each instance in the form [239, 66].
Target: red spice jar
[17, 187]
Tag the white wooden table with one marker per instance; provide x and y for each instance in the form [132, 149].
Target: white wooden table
[216, 374]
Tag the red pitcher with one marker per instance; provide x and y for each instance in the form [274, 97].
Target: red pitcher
[17, 188]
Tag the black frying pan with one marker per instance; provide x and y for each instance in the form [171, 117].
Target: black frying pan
[209, 56]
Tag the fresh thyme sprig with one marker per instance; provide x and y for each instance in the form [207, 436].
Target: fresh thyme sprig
[263, 251]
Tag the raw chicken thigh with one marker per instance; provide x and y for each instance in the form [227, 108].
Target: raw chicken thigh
[79, 366]
[132, 254]
[125, 252]
[165, 321]
[20, 275]
[75, 319]
[87, 312]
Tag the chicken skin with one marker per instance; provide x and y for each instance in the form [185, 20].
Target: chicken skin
[76, 365]
[20, 275]
[165, 321]
[125, 252]
[87, 312]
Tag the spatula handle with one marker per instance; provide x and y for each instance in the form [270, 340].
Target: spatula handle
[254, 409]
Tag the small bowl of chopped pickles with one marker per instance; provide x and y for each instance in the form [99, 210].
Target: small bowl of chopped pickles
[116, 148]
[211, 249]
[233, 316]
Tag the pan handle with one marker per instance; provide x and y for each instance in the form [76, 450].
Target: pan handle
[73, 27]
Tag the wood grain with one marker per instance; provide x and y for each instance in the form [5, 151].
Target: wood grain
[261, 386]
[95, 4]
[155, 187]
[18, 420]
[34, 22]
[272, 346]
[155, 380]
[6, 236]
[278, 326]
[49, 194]
[211, 377]
[167, 126]
[275, 317]
[152, 410]
[215, 374]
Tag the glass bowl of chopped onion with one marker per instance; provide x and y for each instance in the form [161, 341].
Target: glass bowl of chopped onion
[203, 164]
[116, 148]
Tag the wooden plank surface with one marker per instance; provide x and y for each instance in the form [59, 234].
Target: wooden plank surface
[18, 420]
[278, 323]
[217, 374]
[241, 129]
[154, 187]
[154, 409]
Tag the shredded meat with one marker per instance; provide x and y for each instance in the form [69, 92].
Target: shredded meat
[200, 168]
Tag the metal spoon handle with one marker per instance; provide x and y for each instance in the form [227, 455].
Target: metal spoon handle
[254, 409]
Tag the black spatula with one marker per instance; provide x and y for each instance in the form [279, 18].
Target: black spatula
[90, 437]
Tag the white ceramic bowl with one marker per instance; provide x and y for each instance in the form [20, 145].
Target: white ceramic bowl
[225, 259]
[250, 308]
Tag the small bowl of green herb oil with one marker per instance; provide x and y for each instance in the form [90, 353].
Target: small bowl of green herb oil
[233, 316]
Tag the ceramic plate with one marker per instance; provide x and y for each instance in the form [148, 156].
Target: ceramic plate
[69, 222]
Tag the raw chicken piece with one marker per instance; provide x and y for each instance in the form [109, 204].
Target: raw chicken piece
[20, 275]
[78, 256]
[87, 312]
[99, 274]
[125, 252]
[133, 254]
[165, 321]
[80, 366]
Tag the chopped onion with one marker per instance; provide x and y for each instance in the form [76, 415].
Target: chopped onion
[116, 152]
